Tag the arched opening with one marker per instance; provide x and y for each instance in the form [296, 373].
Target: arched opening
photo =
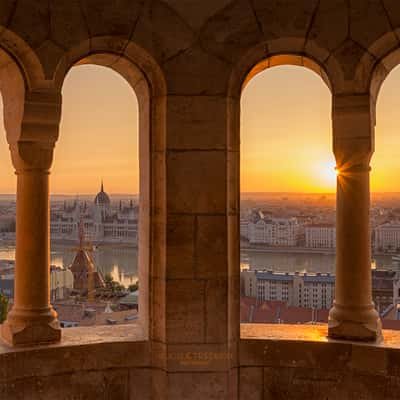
[7, 223]
[100, 193]
[385, 198]
[12, 88]
[288, 183]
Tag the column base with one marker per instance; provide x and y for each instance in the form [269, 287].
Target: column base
[354, 323]
[24, 328]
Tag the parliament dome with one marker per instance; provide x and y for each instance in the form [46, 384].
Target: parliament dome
[102, 198]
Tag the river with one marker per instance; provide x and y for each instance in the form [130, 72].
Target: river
[121, 261]
[117, 260]
[299, 262]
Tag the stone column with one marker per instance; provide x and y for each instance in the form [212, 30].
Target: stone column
[32, 319]
[200, 351]
[353, 315]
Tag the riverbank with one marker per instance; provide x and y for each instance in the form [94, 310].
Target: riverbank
[298, 250]
[72, 243]
[288, 250]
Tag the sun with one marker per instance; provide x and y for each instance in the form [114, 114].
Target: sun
[326, 174]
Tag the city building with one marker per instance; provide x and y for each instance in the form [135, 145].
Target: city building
[383, 283]
[387, 237]
[7, 287]
[7, 223]
[244, 228]
[276, 232]
[320, 236]
[102, 222]
[247, 217]
[296, 289]
[61, 282]
[314, 290]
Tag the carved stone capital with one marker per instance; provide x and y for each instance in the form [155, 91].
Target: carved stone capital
[353, 131]
[29, 156]
[353, 126]
[353, 155]
[32, 139]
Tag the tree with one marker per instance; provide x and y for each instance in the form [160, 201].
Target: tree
[112, 285]
[108, 279]
[3, 308]
[133, 287]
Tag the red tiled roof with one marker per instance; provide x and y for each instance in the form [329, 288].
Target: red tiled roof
[391, 324]
[73, 312]
[272, 311]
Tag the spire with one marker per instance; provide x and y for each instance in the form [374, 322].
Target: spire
[81, 233]
[102, 186]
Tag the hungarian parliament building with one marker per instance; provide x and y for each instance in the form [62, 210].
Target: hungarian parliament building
[101, 222]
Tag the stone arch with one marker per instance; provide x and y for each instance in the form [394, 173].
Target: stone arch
[287, 59]
[285, 52]
[378, 74]
[21, 73]
[22, 55]
[254, 63]
[117, 53]
[146, 79]
[12, 89]
[381, 70]
[25, 90]
[376, 64]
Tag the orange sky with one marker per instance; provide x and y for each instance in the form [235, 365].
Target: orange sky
[286, 135]
[98, 136]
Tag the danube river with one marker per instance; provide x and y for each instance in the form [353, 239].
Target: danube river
[121, 261]
[299, 262]
[118, 260]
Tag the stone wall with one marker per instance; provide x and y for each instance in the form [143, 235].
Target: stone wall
[275, 362]
[187, 62]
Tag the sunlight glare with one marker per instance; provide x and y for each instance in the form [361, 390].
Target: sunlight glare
[327, 174]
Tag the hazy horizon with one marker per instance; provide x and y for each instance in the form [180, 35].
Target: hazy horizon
[241, 193]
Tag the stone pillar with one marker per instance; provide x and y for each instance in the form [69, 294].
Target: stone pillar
[32, 319]
[353, 315]
[200, 351]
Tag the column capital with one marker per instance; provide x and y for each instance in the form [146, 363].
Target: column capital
[353, 116]
[31, 156]
[353, 131]
[40, 118]
[32, 138]
[352, 103]
[353, 155]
